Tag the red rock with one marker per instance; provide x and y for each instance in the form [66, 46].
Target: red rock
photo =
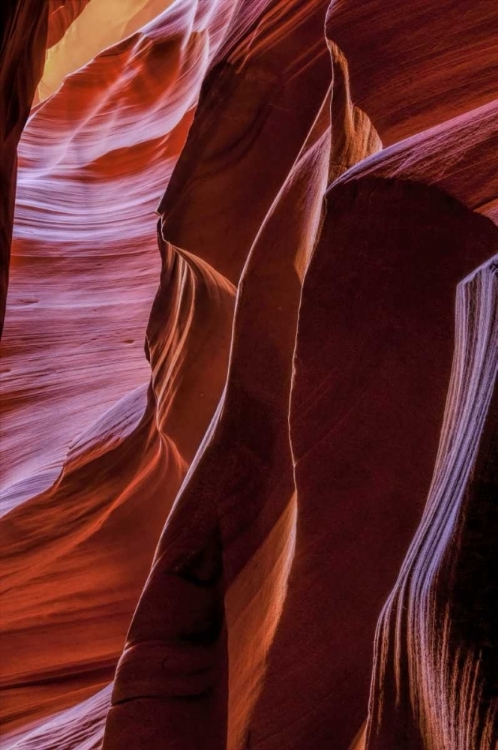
[414, 70]
[23, 39]
[372, 364]
[434, 672]
[253, 507]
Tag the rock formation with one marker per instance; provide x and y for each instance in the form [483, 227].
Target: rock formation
[273, 529]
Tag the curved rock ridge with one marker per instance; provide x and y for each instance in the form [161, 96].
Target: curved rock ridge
[239, 495]
[384, 250]
[62, 546]
[253, 102]
[87, 192]
[456, 156]
[80, 29]
[434, 679]
[115, 490]
[273, 529]
[78, 727]
[28, 29]
[413, 70]
[348, 376]
[255, 546]
[62, 15]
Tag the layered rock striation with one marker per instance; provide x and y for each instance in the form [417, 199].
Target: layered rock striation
[273, 529]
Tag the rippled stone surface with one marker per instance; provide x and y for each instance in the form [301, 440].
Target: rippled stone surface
[248, 436]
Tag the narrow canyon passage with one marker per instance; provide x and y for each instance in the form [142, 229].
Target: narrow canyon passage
[248, 445]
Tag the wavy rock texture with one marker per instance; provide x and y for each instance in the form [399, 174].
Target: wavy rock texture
[124, 457]
[79, 30]
[24, 32]
[443, 681]
[226, 518]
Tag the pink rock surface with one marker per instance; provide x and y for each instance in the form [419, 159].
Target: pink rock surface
[273, 528]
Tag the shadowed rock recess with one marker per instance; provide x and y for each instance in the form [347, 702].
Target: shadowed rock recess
[249, 392]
